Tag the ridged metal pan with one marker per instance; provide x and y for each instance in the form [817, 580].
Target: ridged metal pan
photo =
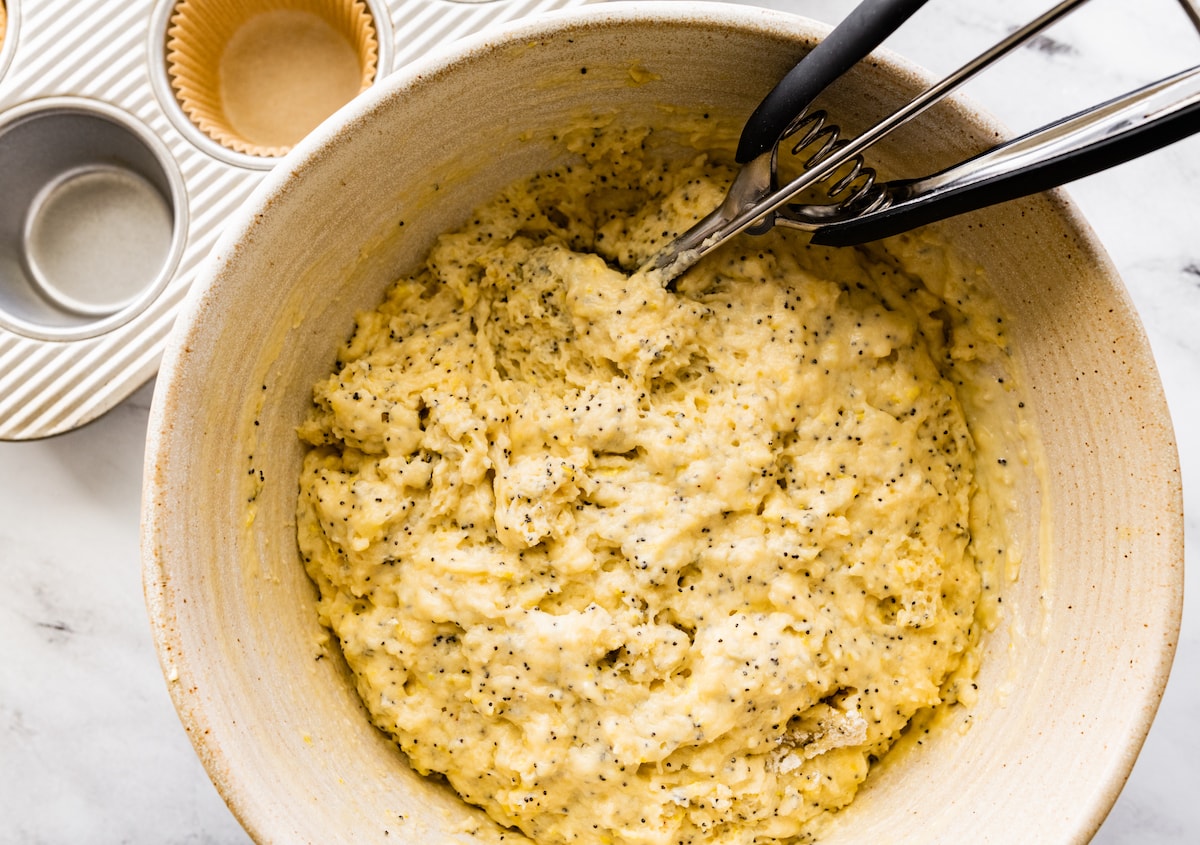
[111, 197]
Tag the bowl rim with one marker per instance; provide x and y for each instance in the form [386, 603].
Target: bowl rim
[206, 294]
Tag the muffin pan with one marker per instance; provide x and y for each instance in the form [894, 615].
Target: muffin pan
[129, 133]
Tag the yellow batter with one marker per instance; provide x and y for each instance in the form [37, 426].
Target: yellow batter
[632, 566]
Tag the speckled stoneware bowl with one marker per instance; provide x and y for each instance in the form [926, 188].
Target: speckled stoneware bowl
[1071, 677]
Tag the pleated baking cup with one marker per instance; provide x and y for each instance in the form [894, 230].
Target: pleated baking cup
[256, 76]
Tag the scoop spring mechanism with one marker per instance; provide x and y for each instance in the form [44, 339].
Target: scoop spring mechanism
[862, 208]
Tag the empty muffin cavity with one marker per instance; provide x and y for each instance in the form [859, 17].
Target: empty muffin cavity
[91, 224]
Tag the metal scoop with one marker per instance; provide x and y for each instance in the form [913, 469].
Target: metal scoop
[864, 209]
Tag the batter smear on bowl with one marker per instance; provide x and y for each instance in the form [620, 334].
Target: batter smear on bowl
[633, 566]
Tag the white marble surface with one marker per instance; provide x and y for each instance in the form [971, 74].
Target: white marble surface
[90, 748]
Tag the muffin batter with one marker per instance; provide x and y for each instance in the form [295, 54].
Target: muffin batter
[634, 566]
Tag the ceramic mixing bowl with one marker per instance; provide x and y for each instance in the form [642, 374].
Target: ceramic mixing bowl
[1071, 677]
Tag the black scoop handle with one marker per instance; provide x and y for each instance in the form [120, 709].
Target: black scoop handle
[1038, 175]
[852, 40]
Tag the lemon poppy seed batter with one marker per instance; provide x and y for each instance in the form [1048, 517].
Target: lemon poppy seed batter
[634, 566]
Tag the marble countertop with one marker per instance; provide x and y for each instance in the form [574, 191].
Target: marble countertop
[90, 747]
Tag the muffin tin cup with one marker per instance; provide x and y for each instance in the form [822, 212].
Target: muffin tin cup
[6, 39]
[119, 175]
[256, 76]
[93, 220]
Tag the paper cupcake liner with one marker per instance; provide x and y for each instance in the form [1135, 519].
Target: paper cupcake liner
[257, 75]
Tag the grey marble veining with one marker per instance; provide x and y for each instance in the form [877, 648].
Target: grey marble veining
[90, 747]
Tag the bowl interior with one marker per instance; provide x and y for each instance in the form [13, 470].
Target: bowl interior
[1070, 678]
